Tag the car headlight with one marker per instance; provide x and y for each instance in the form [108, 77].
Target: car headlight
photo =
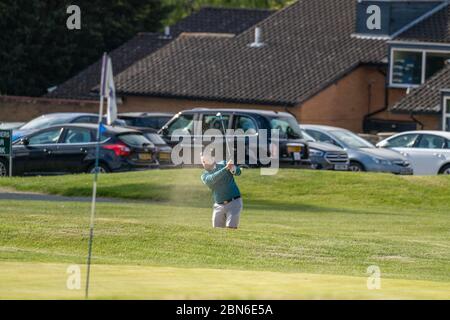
[381, 161]
[315, 153]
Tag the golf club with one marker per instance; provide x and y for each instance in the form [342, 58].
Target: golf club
[224, 133]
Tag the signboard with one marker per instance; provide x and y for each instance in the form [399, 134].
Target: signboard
[386, 17]
[5, 142]
[6, 147]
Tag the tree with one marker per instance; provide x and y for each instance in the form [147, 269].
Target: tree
[182, 8]
[38, 51]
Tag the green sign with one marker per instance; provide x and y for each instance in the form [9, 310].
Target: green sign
[5, 142]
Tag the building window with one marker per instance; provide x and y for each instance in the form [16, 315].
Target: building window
[407, 68]
[435, 61]
[410, 68]
[446, 114]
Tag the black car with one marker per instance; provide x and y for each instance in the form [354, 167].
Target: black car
[292, 148]
[154, 120]
[71, 149]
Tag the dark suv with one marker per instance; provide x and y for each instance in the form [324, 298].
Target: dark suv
[292, 148]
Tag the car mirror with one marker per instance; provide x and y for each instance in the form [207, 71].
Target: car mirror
[25, 141]
[164, 131]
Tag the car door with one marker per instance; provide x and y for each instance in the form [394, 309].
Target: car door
[404, 144]
[210, 122]
[428, 154]
[246, 135]
[38, 152]
[73, 148]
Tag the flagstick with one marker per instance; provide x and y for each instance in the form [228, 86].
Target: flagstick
[94, 187]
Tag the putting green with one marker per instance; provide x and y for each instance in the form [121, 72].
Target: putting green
[48, 281]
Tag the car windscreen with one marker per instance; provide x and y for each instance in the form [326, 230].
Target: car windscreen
[135, 140]
[351, 140]
[155, 138]
[45, 122]
[307, 137]
[287, 126]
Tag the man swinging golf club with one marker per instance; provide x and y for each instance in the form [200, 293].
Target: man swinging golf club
[219, 177]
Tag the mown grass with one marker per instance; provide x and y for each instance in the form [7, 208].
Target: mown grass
[296, 221]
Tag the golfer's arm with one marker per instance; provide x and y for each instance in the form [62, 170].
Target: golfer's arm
[210, 179]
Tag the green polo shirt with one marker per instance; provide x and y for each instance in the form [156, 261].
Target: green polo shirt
[221, 182]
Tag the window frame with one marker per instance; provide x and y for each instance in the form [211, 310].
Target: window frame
[422, 135]
[61, 130]
[424, 63]
[445, 115]
[236, 116]
[417, 138]
[63, 137]
[230, 120]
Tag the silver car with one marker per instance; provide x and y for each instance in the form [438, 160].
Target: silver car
[428, 151]
[363, 155]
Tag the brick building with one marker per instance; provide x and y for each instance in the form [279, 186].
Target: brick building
[345, 63]
[319, 60]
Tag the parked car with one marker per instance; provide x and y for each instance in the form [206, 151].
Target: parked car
[325, 156]
[363, 155]
[54, 119]
[292, 148]
[10, 125]
[71, 149]
[164, 150]
[146, 119]
[428, 151]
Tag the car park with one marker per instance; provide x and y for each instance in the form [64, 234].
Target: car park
[154, 120]
[293, 150]
[71, 148]
[53, 119]
[428, 151]
[325, 156]
[363, 155]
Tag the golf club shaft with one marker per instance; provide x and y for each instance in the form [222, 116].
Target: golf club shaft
[226, 139]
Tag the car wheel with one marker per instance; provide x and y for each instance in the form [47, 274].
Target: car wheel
[3, 169]
[356, 167]
[102, 168]
[445, 169]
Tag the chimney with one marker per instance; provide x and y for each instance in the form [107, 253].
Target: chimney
[167, 34]
[258, 39]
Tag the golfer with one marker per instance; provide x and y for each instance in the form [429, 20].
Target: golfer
[219, 177]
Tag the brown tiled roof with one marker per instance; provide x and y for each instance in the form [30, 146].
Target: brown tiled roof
[221, 20]
[208, 19]
[427, 97]
[308, 47]
[435, 28]
[80, 86]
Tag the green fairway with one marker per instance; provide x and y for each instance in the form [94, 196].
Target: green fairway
[48, 281]
[298, 224]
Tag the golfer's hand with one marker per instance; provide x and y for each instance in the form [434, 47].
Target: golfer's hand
[230, 165]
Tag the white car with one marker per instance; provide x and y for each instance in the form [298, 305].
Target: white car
[427, 151]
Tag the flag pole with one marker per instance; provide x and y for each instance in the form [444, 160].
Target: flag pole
[94, 186]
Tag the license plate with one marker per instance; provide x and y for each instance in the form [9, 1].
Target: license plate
[164, 156]
[293, 149]
[341, 167]
[297, 156]
[145, 156]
